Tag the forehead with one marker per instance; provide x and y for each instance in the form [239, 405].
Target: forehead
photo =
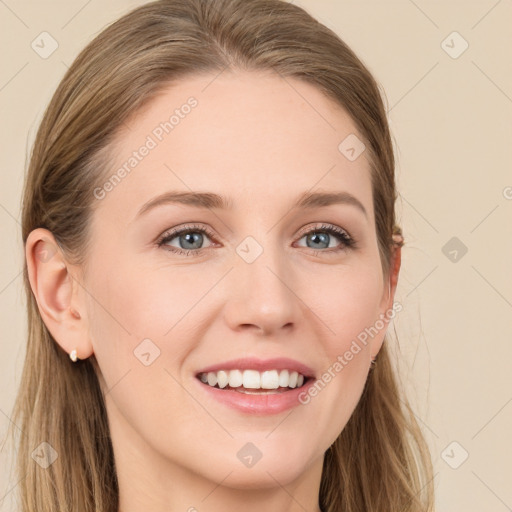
[248, 135]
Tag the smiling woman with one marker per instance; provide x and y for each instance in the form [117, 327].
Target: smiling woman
[204, 328]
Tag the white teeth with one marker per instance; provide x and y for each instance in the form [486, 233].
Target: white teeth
[222, 379]
[212, 378]
[236, 378]
[283, 378]
[253, 379]
[270, 379]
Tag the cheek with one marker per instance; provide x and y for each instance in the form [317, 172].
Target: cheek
[134, 316]
[141, 304]
[350, 312]
[348, 304]
[136, 311]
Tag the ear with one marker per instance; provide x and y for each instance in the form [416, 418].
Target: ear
[388, 296]
[57, 293]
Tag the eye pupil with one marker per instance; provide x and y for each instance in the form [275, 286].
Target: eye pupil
[319, 238]
[191, 238]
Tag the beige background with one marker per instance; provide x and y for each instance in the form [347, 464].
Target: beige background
[451, 120]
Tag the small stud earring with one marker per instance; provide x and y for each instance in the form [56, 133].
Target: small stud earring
[372, 363]
[73, 356]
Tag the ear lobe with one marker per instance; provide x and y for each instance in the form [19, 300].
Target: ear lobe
[55, 292]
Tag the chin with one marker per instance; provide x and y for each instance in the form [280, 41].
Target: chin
[264, 477]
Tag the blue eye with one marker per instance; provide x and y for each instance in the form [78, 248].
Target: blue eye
[323, 235]
[191, 238]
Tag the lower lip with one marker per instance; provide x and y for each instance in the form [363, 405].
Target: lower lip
[258, 403]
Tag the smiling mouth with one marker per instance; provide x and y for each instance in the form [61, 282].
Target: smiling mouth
[251, 382]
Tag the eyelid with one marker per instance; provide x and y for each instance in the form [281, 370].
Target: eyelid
[324, 227]
[347, 241]
[174, 232]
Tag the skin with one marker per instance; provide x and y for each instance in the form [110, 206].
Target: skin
[261, 141]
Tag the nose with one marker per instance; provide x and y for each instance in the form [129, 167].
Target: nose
[261, 296]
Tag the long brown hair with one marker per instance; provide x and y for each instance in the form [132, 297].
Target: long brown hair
[380, 461]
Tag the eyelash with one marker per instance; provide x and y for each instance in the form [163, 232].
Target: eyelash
[347, 242]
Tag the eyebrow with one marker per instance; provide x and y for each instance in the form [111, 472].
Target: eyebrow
[209, 200]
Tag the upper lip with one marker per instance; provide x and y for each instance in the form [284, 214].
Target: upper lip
[261, 365]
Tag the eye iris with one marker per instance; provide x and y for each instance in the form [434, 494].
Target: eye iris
[192, 238]
[319, 237]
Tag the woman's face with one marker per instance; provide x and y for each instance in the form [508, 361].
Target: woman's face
[265, 279]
